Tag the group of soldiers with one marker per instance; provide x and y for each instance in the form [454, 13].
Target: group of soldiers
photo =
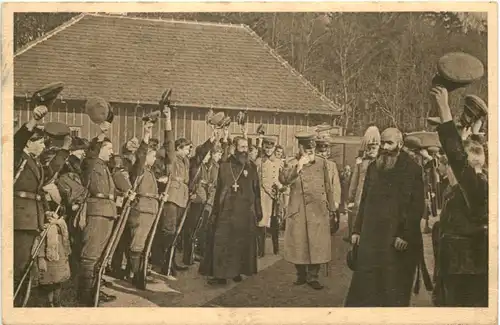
[82, 211]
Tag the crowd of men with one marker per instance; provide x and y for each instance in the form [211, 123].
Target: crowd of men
[80, 210]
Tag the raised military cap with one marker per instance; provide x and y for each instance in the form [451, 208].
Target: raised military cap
[225, 122]
[458, 69]
[98, 110]
[412, 142]
[165, 97]
[215, 119]
[474, 109]
[433, 149]
[306, 139]
[261, 129]
[427, 139]
[152, 117]
[434, 121]
[56, 132]
[47, 93]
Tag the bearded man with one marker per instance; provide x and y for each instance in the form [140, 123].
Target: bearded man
[387, 228]
[231, 244]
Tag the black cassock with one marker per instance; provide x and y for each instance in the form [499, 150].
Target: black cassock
[231, 241]
[392, 205]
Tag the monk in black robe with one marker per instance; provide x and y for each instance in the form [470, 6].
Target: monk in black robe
[387, 228]
[231, 249]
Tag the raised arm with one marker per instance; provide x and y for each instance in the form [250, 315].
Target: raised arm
[141, 153]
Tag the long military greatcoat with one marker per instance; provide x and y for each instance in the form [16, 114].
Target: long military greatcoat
[307, 232]
[392, 205]
[231, 244]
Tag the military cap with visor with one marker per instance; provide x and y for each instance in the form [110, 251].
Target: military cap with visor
[47, 93]
[56, 132]
[474, 109]
[99, 110]
[306, 139]
[78, 143]
[457, 69]
[268, 141]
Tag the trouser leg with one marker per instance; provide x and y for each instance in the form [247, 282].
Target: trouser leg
[301, 271]
[313, 272]
[95, 237]
[275, 233]
[194, 214]
[261, 241]
[140, 225]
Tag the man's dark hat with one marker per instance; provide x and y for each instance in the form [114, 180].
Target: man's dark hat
[425, 140]
[457, 69]
[99, 110]
[261, 129]
[78, 143]
[241, 118]
[47, 93]
[165, 97]
[152, 117]
[474, 109]
[352, 258]
[306, 139]
[268, 141]
[56, 132]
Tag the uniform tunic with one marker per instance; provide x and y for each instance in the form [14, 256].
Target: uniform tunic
[145, 207]
[268, 169]
[307, 231]
[101, 213]
[29, 208]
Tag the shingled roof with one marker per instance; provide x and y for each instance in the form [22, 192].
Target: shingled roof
[125, 59]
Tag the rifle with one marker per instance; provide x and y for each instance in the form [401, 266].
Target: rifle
[194, 235]
[183, 219]
[112, 244]
[33, 257]
[143, 266]
[20, 170]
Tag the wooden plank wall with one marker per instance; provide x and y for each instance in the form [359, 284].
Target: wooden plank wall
[188, 123]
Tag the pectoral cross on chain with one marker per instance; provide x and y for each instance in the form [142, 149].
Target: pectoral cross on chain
[235, 187]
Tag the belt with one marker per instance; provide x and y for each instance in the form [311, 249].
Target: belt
[148, 195]
[180, 179]
[104, 196]
[28, 195]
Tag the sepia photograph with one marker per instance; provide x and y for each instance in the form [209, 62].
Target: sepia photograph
[250, 159]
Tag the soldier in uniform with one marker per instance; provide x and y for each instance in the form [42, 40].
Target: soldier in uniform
[204, 188]
[307, 231]
[74, 194]
[323, 150]
[463, 243]
[177, 166]
[121, 178]
[369, 151]
[101, 208]
[29, 206]
[145, 207]
[268, 168]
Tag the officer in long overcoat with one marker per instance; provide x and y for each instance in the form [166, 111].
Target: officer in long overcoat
[307, 232]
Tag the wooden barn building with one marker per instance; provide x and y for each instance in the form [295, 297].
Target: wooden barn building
[131, 61]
